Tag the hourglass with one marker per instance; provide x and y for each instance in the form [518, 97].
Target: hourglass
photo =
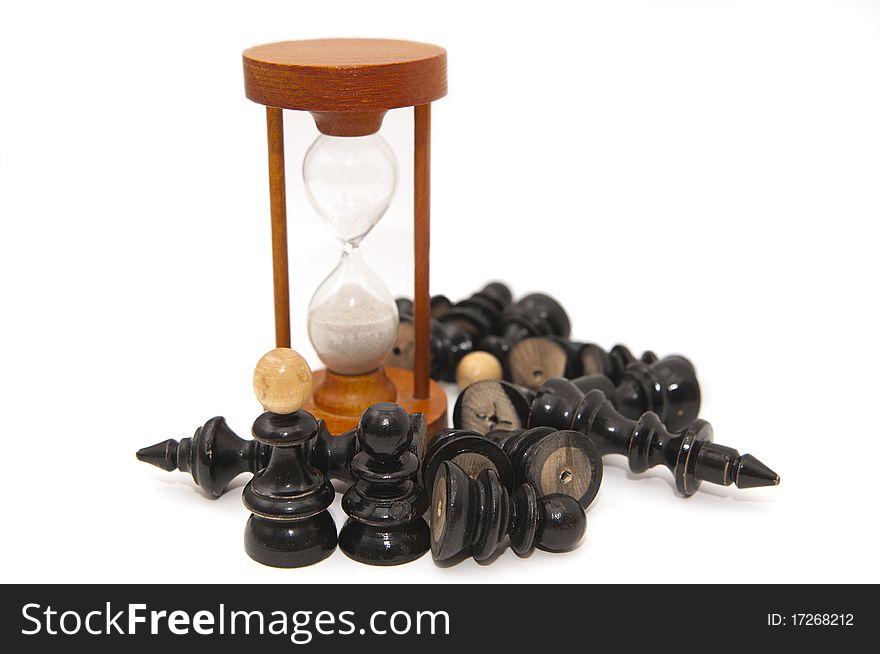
[350, 176]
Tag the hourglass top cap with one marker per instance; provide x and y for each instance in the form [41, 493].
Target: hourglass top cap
[344, 75]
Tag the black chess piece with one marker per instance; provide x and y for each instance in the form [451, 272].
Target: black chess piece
[384, 505]
[596, 361]
[536, 359]
[668, 387]
[553, 461]
[471, 451]
[214, 456]
[454, 331]
[480, 314]
[492, 404]
[289, 526]
[690, 453]
[536, 314]
[476, 514]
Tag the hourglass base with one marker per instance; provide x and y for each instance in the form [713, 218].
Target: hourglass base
[340, 400]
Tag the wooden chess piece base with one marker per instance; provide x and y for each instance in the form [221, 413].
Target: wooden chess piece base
[340, 400]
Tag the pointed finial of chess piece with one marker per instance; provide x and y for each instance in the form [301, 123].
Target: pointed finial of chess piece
[289, 526]
[668, 387]
[384, 505]
[476, 514]
[214, 456]
[689, 454]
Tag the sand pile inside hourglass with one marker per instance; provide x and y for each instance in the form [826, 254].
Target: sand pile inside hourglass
[352, 330]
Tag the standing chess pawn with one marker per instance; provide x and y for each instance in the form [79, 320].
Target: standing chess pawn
[668, 387]
[289, 526]
[690, 453]
[596, 361]
[384, 505]
[214, 456]
[553, 461]
[476, 515]
[533, 315]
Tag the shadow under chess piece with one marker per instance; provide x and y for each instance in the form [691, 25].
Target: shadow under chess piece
[553, 461]
[668, 387]
[289, 526]
[689, 454]
[384, 505]
[476, 515]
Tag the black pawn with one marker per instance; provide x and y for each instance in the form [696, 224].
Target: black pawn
[690, 453]
[476, 514]
[668, 387]
[384, 505]
[289, 525]
[553, 461]
[214, 456]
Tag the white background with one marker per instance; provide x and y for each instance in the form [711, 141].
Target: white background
[693, 177]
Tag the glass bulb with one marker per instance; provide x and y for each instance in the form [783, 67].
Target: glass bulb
[352, 317]
[350, 181]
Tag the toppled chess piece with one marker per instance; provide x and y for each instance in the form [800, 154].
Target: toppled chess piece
[690, 453]
[536, 314]
[214, 456]
[471, 451]
[668, 387]
[553, 461]
[536, 359]
[289, 526]
[384, 505]
[454, 330]
[596, 361]
[492, 404]
[476, 515]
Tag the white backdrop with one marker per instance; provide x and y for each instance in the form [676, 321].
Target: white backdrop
[687, 177]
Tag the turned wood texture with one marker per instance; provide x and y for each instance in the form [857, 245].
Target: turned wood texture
[345, 75]
[422, 247]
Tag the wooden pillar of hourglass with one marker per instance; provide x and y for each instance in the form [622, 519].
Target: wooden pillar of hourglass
[348, 85]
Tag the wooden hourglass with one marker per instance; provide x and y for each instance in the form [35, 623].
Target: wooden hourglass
[350, 175]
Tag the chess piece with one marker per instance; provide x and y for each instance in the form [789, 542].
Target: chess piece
[480, 314]
[214, 456]
[596, 361]
[384, 505]
[289, 526]
[476, 514]
[553, 461]
[475, 367]
[690, 453]
[471, 451]
[668, 387]
[534, 315]
[536, 359]
[491, 404]
[454, 330]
